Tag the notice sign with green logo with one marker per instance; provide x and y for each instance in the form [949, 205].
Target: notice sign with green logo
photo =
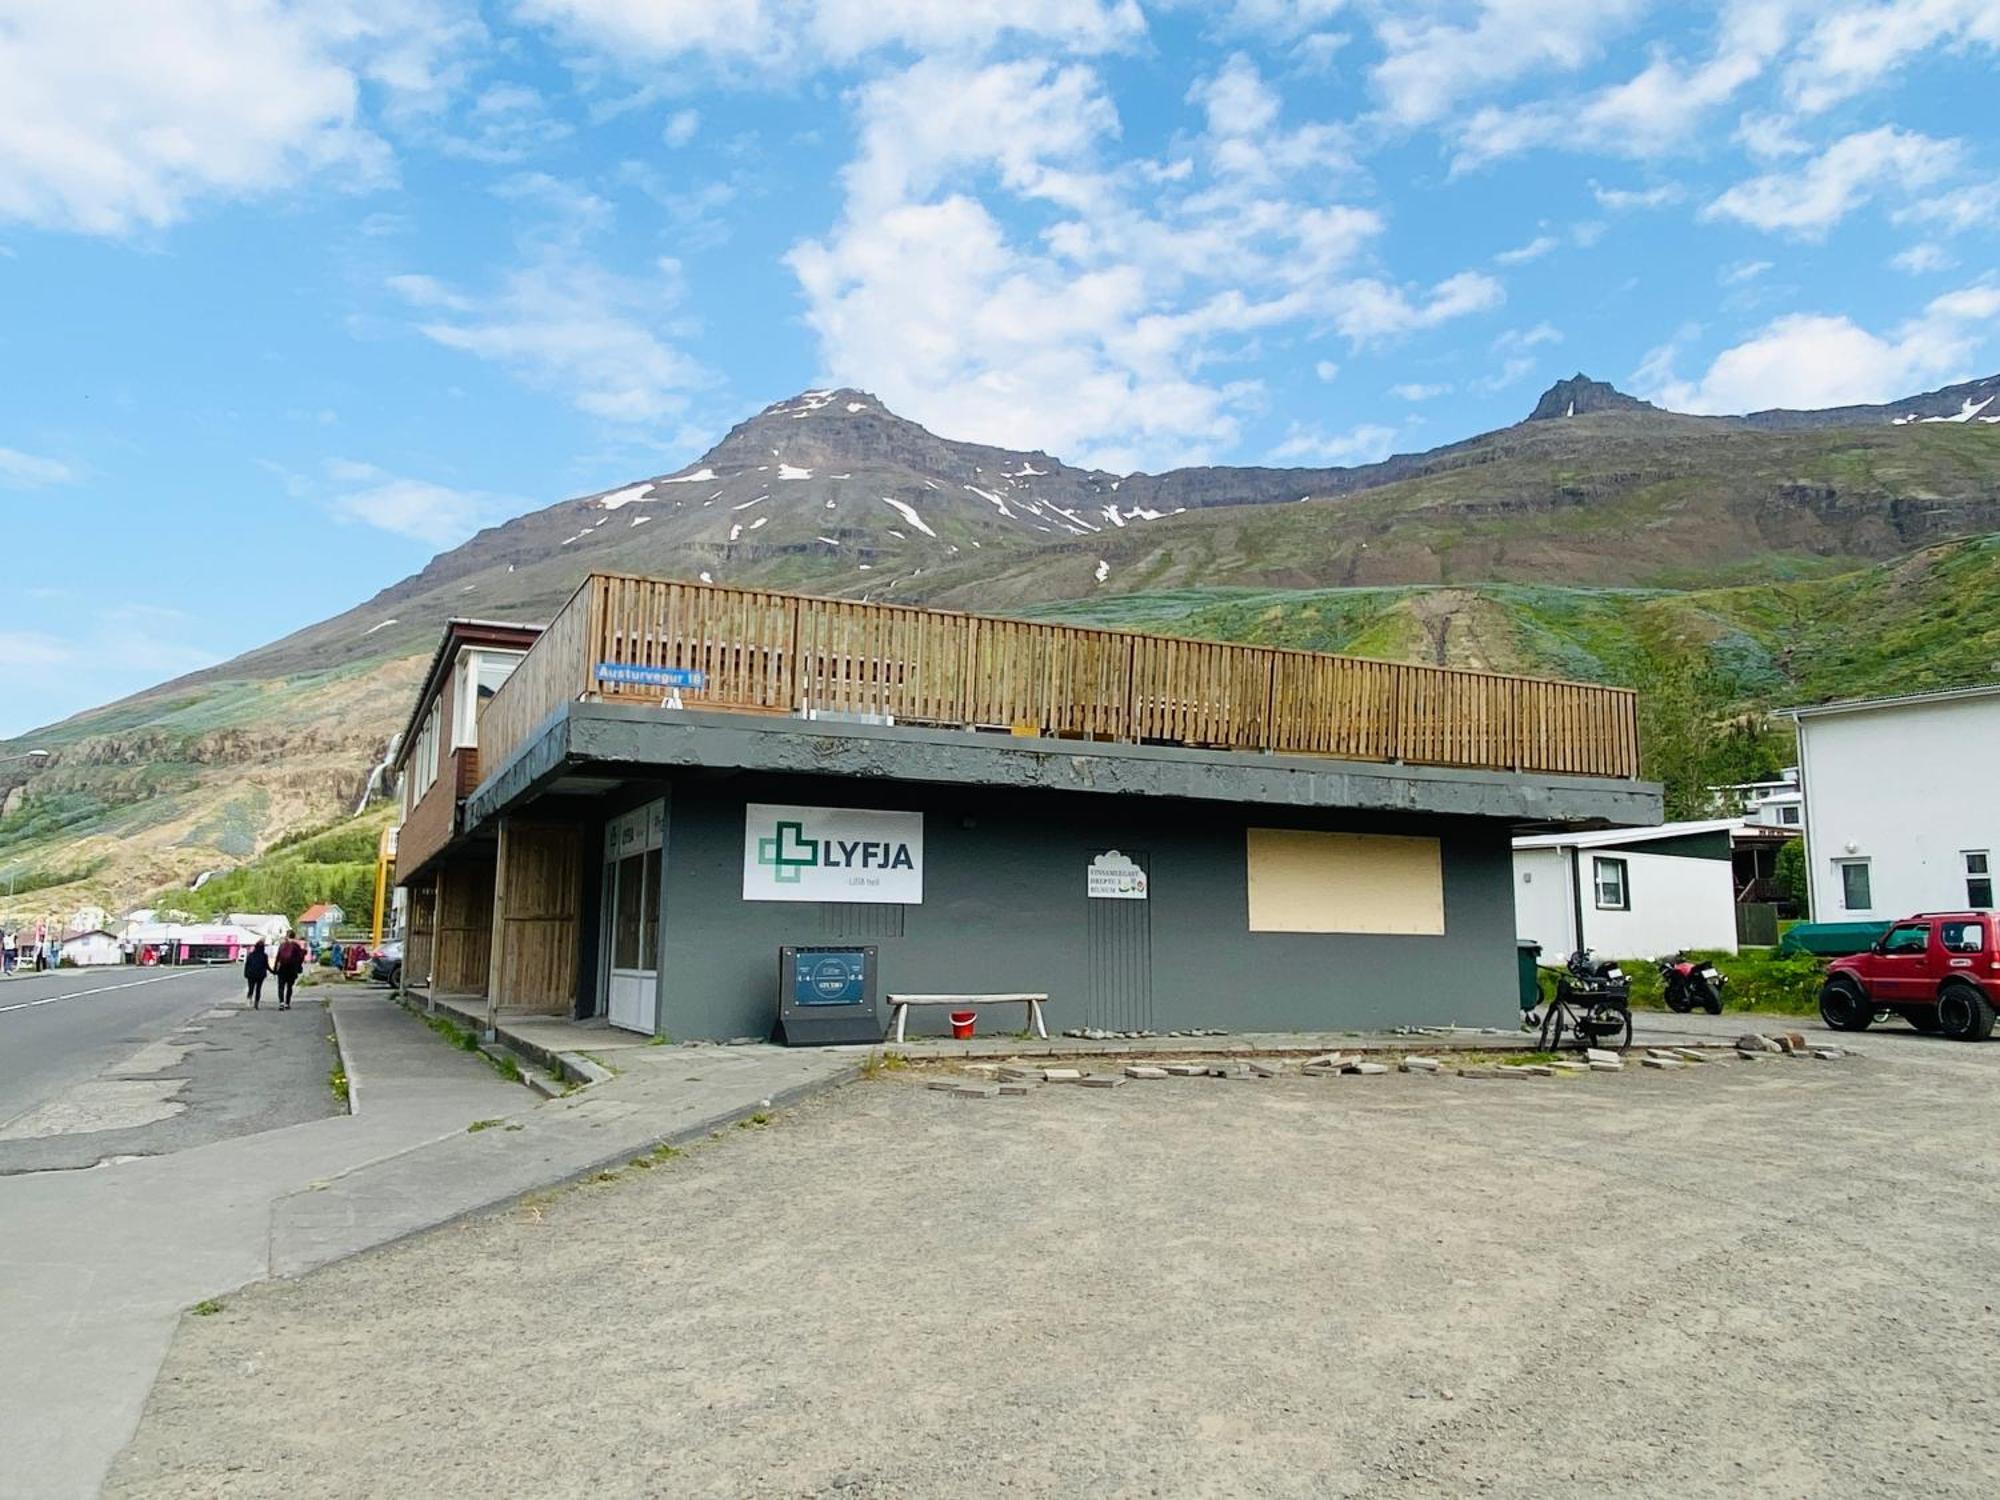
[832, 854]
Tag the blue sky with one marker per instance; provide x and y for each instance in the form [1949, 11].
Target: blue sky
[294, 294]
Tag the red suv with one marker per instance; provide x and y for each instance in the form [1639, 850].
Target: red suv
[1940, 971]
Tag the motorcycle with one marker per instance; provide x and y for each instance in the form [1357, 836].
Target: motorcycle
[1690, 982]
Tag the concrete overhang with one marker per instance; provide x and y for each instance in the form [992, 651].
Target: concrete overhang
[600, 738]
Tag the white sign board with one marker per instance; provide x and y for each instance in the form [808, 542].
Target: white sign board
[1114, 877]
[832, 854]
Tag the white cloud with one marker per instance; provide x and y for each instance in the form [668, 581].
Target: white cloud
[563, 321]
[681, 127]
[434, 514]
[1659, 109]
[1810, 200]
[1739, 272]
[1621, 200]
[1955, 210]
[1922, 258]
[1367, 444]
[782, 35]
[116, 116]
[567, 324]
[1808, 360]
[1101, 330]
[1854, 47]
[29, 471]
[1327, 370]
[1435, 58]
[1368, 311]
[52, 673]
[1535, 249]
[1415, 391]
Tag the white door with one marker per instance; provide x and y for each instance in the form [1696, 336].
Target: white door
[632, 901]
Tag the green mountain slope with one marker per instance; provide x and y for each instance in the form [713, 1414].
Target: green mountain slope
[1930, 620]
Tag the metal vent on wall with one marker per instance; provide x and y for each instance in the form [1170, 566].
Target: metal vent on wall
[860, 919]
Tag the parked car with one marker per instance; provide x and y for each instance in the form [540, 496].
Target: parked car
[1940, 971]
[387, 964]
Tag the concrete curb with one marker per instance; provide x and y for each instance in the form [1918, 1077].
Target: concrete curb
[346, 1061]
[580, 1069]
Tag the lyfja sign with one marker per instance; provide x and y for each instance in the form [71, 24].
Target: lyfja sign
[832, 854]
[1115, 877]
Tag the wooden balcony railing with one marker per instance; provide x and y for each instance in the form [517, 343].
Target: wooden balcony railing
[765, 652]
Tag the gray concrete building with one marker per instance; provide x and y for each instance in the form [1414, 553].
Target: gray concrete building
[655, 850]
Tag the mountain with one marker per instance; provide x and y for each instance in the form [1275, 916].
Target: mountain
[1974, 401]
[1580, 396]
[1424, 554]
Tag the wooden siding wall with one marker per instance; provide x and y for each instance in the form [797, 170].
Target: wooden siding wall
[464, 927]
[539, 907]
[768, 652]
[420, 940]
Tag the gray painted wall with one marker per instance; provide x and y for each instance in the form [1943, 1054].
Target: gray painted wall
[1004, 909]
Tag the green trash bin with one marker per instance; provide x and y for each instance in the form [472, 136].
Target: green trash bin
[1528, 957]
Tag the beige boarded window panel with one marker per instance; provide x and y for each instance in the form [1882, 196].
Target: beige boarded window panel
[1302, 881]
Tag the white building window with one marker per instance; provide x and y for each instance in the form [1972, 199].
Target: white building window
[424, 761]
[1854, 892]
[1789, 815]
[1608, 875]
[1978, 879]
[478, 677]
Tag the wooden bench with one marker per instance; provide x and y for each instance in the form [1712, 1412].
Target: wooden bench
[899, 1006]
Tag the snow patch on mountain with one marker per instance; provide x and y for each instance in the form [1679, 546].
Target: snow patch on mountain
[793, 471]
[699, 476]
[909, 513]
[624, 497]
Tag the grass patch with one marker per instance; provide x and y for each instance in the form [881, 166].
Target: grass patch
[451, 1031]
[478, 1125]
[336, 1079]
[760, 1118]
[878, 1063]
[208, 1307]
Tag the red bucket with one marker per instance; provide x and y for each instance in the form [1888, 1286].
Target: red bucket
[961, 1023]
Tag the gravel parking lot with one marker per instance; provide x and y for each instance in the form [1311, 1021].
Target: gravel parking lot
[1771, 1277]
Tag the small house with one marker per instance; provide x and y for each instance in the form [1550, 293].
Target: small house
[90, 949]
[317, 922]
[1628, 893]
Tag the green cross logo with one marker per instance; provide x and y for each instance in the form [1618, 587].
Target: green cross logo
[803, 853]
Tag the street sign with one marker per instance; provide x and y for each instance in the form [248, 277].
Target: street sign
[672, 677]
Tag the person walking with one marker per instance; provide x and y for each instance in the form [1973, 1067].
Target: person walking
[290, 962]
[255, 966]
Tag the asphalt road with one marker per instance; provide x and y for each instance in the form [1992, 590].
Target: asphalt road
[59, 1029]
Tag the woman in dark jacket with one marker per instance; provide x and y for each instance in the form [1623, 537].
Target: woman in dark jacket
[255, 967]
[291, 962]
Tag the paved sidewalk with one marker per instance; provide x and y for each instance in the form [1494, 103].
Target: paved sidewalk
[660, 1094]
[97, 1266]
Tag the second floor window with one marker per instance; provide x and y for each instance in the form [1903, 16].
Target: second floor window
[1978, 879]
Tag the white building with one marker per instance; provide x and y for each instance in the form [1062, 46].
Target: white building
[1902, 803]
[90, 949]
[1765, 804]
[1629, 893]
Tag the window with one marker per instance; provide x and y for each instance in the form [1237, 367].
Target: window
[1854, 892]
[1608, 875]
[478, 677]
[1789, 815]
[424, 759]
[1978, 879]
[1911, 938]
[1962, 937]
